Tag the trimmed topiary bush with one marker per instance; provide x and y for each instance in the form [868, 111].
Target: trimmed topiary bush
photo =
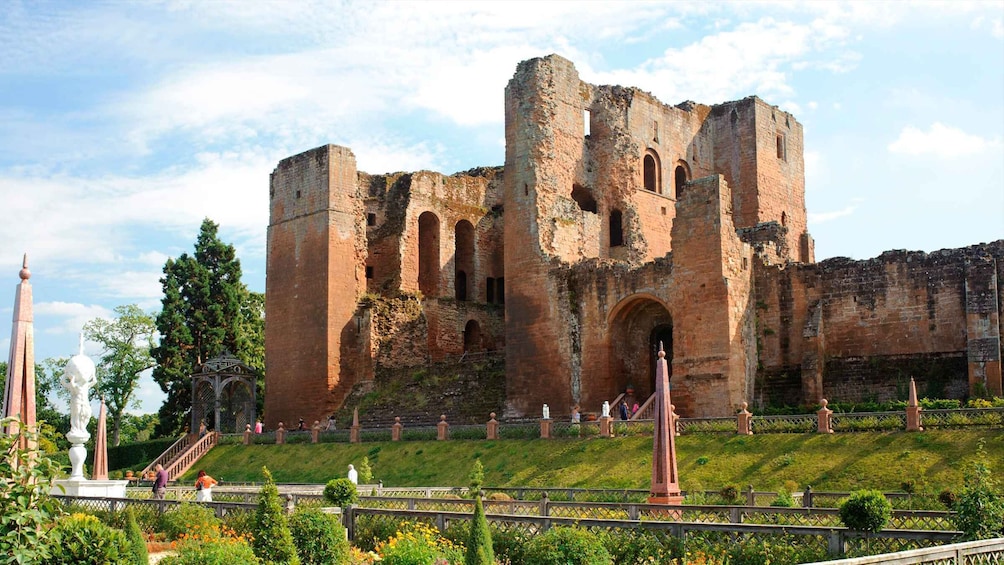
[479, 540]
[319, 537]
[137, 543]
[186, 519]
[341, 492]
[80, 539]
[865, 511]
[567, 546]
[272, 541]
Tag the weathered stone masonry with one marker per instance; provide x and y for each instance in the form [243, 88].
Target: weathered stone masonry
[616, 224]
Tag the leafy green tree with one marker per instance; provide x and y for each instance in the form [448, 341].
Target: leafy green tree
[479, 540]
[273, 542]
[365, 471]
[979, 508]
[206, 309]
[127, 341]
[28, 510]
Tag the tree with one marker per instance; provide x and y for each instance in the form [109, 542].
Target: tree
[206, 309]
[272, 542]
[979, 509]
[127, 341]
[479, 538]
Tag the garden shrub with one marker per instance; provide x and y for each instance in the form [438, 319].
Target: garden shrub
[865, 511]
[372, 530]
[567, 546]
[979, 508]
[418, 543]
[479, 541]
[365, 471]
[947, 498]
[272, 541]
[240, 523]
[767, 552]
[631, 547]
[319, 537]
[184, 519]
[783, 500]
[222, 551]
[137, 543]
[729, 494]
[24, 490]
[341, 492]
[80, 539]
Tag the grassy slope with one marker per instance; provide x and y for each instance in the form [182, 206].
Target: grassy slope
[933, 459]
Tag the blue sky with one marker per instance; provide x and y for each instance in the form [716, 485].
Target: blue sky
[123, 124]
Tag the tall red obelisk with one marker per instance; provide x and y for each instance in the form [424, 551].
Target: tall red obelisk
[665, 481]
[19, 390]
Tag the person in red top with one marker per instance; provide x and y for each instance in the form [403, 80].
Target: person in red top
[204, 487]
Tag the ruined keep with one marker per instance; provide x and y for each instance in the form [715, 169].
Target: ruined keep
[618, 222]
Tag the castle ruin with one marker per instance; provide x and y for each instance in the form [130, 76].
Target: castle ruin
[617, 223]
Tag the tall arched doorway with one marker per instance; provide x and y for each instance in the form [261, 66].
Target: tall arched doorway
[428, 254]
[637, 325]
[472, 337]
[463, 259]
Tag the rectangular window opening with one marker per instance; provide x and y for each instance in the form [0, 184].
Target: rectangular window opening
[371, 219]
[585, 122]
[490, 290]
[369, 272]
[500, 289]
[780, 147]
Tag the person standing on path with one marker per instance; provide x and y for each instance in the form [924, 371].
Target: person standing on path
[159, 482]
[204, 487]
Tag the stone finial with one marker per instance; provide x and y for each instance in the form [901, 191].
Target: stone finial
[442, 417]
[25, 274]
[247, 434]
[280, 434]
[355, 416]
[913, 394]
[315, 432]
[355, 431]
[665, 485]
[491, 416]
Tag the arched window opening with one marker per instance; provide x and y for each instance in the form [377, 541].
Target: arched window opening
[651, 170]
[428, 254]
[583, 198]
[464, 259]
[680, 177]
[461, 286]
[472, 337]
[616, 228]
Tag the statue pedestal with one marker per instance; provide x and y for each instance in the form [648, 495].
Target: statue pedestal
[84, 487]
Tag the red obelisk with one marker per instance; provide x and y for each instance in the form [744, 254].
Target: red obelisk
[100, 471]
[19, 390]
[665, 481]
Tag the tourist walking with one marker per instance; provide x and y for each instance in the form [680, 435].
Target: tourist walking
[159, 482]
[576, 415]
[204, 487]
[257, 426]
[624, 411]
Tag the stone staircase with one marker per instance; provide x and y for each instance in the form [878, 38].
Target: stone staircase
[182, 454]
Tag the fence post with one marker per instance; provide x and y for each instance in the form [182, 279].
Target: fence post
[315, 431]
[395, 430]
[440, 522]
[807, 497]
[349, 521]
[744, 422]
[247, 434]
[492, 431]
[545, 509]
[913, 410]
[290, 504]
[442, 429]
[545, 428]
[824, 423]
[632, 512]
[734, 516]
[356, 429]
[280, 435]
[750, 497]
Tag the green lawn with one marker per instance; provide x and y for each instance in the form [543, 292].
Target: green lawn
[883, 460]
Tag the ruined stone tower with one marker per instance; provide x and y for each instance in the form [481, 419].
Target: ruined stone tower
[617, 223]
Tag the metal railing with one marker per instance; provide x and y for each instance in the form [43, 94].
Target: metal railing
[967, 553]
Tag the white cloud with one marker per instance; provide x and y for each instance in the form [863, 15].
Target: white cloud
[814, 167]
[70, 316]
[940, 140]
[823, 217]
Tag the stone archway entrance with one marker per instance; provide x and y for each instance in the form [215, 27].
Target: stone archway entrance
[637, 326]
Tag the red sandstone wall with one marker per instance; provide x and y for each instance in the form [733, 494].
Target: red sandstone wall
[315, 255]
[899, 305]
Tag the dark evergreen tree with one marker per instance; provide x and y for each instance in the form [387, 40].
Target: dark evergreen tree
[479, 539]
[206, 309]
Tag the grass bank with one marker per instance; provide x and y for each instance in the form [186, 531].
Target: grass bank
[933, 460]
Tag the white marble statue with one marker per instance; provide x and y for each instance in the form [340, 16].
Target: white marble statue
[606, 408]
[78, 378]
[353, 475]
[547, 412]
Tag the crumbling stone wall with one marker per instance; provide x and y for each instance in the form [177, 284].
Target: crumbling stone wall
[856, 329]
